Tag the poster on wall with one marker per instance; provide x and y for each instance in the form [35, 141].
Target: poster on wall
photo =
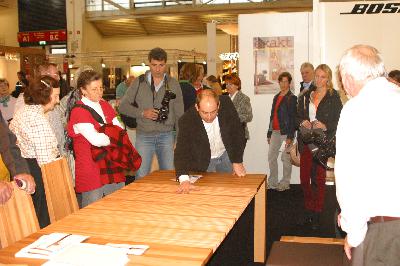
[272, 56]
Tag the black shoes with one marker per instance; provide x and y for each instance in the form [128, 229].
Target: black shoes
[310, 219]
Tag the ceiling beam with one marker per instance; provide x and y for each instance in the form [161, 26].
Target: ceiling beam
[242, 8]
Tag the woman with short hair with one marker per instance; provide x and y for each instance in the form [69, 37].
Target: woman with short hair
[240, 100]
[83, 128]
[7, 102]
[282, 127]
[36, 139]
[187, 77]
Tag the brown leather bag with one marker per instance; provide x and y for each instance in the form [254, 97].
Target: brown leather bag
[294, 154]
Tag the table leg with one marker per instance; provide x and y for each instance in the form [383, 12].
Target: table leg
[260, 224]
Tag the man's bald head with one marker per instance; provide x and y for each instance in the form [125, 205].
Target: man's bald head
[207, 104]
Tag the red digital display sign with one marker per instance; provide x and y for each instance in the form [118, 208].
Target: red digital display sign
[37, 36]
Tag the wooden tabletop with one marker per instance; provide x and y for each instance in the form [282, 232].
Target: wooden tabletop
[181, 229]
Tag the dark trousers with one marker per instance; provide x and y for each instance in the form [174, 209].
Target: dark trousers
[311, 170]
[39, 197]
[381, 246]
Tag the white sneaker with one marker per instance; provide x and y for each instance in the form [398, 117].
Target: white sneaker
[271, 186]
[283, 187]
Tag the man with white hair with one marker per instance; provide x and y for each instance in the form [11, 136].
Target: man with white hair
[366, 169]
[307, 74]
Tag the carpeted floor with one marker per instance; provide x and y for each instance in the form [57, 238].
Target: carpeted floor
[285, 210]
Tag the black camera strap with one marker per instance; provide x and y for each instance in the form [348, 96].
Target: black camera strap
[141, 79]
[153, 87]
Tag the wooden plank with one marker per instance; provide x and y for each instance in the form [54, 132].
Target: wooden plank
[174, 198]
[208, 179]
[203, 189]
[260, 224]
[17, 217]
[187, 238]
[314, 240]
[204, 210]
[158, 220]
[60, 193]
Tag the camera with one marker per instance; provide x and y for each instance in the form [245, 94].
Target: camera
[163, 111]
[320, 145]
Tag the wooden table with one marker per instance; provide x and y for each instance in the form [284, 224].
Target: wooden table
[181, 229]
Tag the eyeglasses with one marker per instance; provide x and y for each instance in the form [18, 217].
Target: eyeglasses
[97, 89]
[230, 84]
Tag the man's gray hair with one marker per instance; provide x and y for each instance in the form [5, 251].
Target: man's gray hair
[306, 65]
[362, 62]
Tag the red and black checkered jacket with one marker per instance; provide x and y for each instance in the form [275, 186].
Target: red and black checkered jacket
[117, 157]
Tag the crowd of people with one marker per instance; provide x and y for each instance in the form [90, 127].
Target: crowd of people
[210, 129]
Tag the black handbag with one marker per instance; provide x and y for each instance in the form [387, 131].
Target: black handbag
[130, 121]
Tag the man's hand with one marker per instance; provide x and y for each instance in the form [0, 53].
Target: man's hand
[30, 182]
[288, 142]
[306, 124]
[338, 219]
[151, 114]
[347, 248]
[238, 169]
[6, 190]
[319, 124]
[185, 187]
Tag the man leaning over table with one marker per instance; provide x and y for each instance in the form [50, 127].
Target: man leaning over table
[367, 173]
[210, 138]
[15, 164]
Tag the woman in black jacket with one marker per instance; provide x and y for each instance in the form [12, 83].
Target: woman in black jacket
[317, 109]
[282, 126]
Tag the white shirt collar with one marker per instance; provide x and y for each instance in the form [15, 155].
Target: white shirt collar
[233, 96]
[95, 105]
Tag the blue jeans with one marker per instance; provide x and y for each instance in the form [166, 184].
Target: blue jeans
[160, 143]
[220, 164]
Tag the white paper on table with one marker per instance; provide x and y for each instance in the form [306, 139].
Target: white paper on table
[48, 245]
[192, 178]
[130, 249]
[83, 254]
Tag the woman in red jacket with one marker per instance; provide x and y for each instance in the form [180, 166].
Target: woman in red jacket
[83, 128]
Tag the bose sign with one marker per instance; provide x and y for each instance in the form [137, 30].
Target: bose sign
[374, 9]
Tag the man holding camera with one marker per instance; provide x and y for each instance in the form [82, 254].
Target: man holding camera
[156, 102]
[211, 138]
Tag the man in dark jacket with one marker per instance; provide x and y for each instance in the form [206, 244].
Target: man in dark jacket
[307, 74]
[211, 138]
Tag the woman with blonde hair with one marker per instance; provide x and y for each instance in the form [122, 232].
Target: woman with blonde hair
[318, 111]
[213, 83]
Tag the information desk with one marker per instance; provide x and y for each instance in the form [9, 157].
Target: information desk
[181, 229]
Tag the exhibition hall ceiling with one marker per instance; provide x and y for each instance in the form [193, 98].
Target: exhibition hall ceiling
[181, 19]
